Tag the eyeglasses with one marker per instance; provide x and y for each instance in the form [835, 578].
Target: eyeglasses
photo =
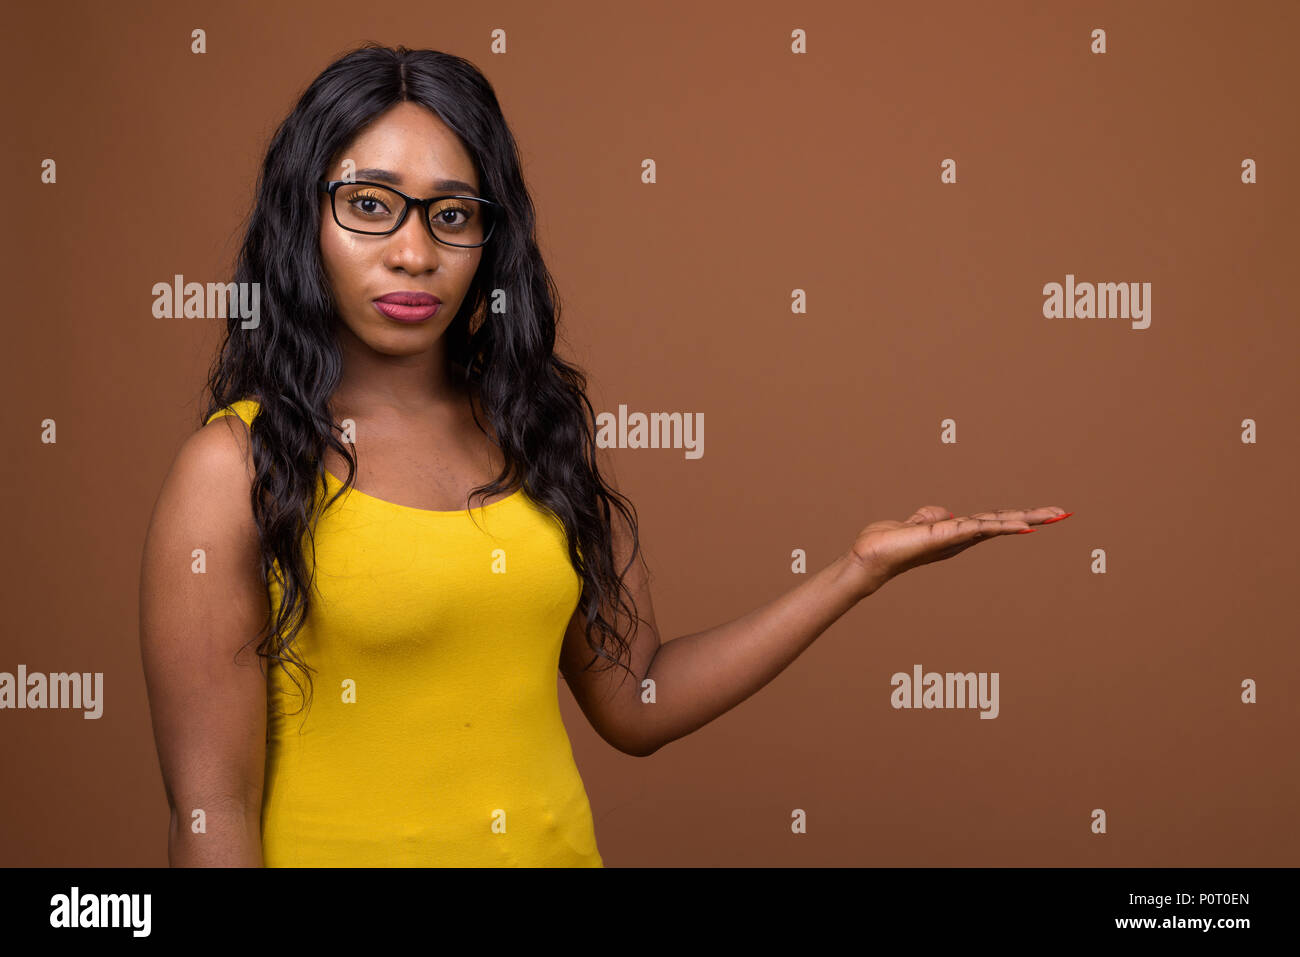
[376, 210]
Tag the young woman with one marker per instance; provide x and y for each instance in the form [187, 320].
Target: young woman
[405, 346]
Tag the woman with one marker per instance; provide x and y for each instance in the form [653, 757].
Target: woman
[406, 312]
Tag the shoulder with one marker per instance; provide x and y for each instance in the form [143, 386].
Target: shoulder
[205, 501]
[221, 449]
[212, 473]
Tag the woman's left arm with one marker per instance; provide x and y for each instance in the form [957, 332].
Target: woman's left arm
[698, 677]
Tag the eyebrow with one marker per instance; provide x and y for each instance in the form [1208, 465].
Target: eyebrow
[388, 176]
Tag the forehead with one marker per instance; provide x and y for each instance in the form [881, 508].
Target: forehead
[412, 143]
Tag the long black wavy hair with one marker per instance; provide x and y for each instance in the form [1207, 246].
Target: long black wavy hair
[291, 363]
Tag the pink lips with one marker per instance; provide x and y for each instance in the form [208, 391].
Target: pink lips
[408, 306]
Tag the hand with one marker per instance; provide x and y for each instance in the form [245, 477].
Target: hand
[887, 549]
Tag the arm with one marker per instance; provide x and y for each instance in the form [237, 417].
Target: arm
[701, 676]
[207, 692]
[698, 677]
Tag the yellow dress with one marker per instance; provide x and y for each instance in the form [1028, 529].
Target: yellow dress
[434, 736]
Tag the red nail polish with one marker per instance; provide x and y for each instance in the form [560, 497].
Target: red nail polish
[1049, 521]
[1024, 531]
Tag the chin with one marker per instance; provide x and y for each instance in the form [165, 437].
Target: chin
[405, 343]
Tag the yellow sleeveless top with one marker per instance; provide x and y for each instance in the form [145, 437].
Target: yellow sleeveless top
[434, 736]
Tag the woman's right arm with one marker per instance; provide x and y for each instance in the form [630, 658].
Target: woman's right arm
[207, 692]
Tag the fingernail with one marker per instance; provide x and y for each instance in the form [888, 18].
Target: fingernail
[1024, 531]
[1049, 521]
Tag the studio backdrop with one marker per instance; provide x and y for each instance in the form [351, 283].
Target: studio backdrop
[824, 264]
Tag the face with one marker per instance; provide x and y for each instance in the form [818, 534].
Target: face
[419, 150]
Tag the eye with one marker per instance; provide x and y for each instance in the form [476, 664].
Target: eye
[366, 203]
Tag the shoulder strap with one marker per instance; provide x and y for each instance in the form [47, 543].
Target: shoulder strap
[245, 409]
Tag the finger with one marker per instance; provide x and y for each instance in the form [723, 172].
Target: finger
[961, 546]
[927, 514]
[973, 528]
[1031, 516]
[954, 550]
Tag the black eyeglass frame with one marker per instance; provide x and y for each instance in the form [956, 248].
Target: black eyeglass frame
[332, 186]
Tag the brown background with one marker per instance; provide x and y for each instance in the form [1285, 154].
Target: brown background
[775, 172]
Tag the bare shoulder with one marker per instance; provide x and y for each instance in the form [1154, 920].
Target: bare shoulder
[204, 499]
[220, 449]
[216, 463]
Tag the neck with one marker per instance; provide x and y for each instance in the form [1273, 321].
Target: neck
[406, 383]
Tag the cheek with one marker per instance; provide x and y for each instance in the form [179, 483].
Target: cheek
[336, 254]
[334, 248]
[469, 267]
[327, 252]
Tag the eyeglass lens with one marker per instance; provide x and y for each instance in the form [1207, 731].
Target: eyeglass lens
[373, 209]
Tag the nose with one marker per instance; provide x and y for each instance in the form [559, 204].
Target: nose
[412, 247]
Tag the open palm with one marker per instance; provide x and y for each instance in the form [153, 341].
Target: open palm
[890, 548]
